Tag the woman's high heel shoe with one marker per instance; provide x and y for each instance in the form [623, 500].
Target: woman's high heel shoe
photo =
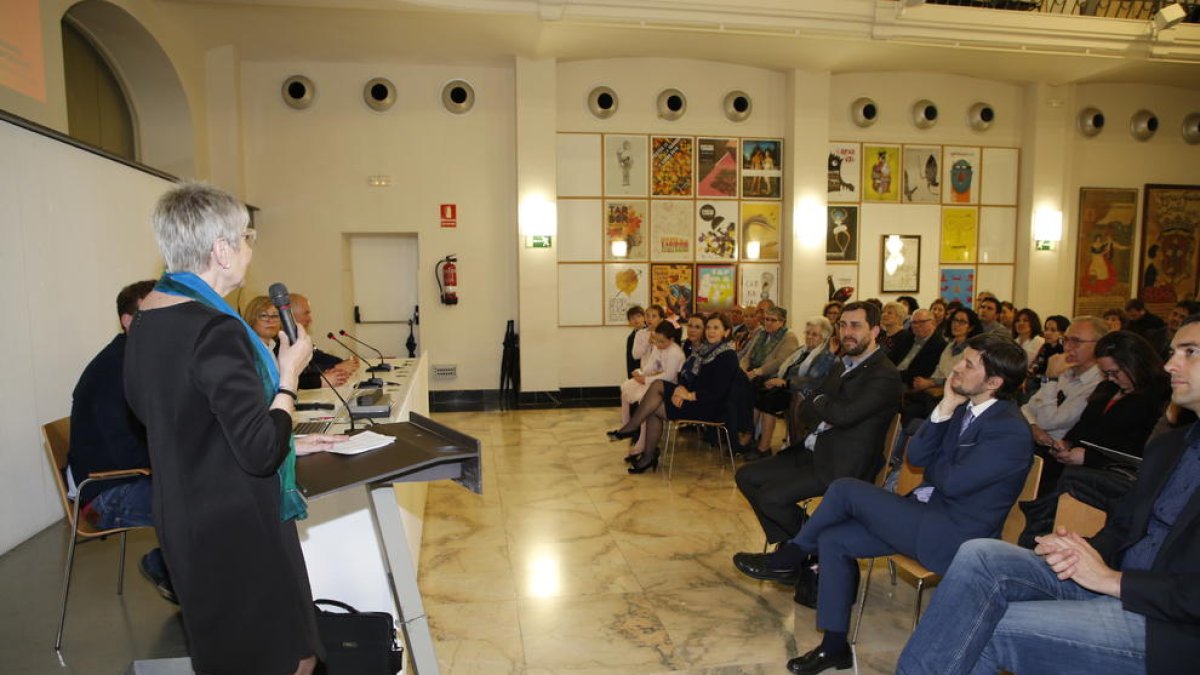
[618, 435]
[633, 459]
[652, 466]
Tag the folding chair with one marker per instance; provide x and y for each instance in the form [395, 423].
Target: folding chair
[672, 435]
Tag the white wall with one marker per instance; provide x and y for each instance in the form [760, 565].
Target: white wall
[74, 230]
[307, 170]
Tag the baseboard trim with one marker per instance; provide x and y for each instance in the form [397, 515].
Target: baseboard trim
[479, 400]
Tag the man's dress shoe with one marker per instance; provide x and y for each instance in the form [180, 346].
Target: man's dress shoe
[817, 661]
[758, 566]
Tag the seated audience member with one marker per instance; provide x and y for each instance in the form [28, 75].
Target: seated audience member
[642, 349]
[1008, 314]
[832, 312]
[796, 377]
[770, 347]
[1120, 415]
[635, 318]
[336, 370]
[1052, 330]
[701, 393]
[1181, 311]
[989, 316]
[976, 452]
[1027, 331]
[892, 336]
[106, 436]
[910, 305]
[951, 307]
[752, 320]
[737, 319]
[925, 392]
[925, 350]
[1123, 601]
[1071, 379]
[1147, 324]
[263, 318]
[806, 384]
[938, 309]
[693, 334]
[665, 361]
[1115, 319]
[846, 420]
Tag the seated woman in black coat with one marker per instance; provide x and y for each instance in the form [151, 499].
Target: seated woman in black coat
[700, 394]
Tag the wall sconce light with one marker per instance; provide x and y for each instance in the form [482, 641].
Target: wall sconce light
[620, 248]
[1047, 229]
[752, 249]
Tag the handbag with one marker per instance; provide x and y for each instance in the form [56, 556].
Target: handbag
[357, 643]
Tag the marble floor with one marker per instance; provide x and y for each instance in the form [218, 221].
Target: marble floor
[567, 564]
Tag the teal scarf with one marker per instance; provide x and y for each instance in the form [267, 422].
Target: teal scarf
[188, 285]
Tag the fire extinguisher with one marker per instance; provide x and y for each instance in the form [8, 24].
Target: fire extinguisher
[447, 279]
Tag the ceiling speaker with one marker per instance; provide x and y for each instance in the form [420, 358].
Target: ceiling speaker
[980, 116]
[602, 102]
[1143, 125]
[672, 104]
[298, 92]
[925, 114]
[458, 96]
[864, 112]
[1191, 129]
[737, 106]
[379, 94]
[1090, 121]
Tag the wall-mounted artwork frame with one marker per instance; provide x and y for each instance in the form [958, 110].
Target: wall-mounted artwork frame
[841, 233]
[1170, 252]
[625, 285]
[922, 174]
[957, 283]
[717, 230]
[1104, 250]
[671, 166]
[960, 234]
[626, 220]
[672, 229]
[762, 168]
[762, 222]
[881, 178]
[673, 287]
[845, 174]
[900, 263]
[716, 288]
[961, 175]
[758, 282]
[626, 165]
[717, 167]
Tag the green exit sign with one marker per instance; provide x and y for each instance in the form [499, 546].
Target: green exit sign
[539, 241]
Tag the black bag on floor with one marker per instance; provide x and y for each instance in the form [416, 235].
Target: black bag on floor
[357, 643]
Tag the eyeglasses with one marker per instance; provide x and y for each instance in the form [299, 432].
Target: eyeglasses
[1075, 342]
[268, 316]
[956, 320]
[1110, 374]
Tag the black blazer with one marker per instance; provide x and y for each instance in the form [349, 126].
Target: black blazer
[859, 406]
[926, 360]
[900, 344]
[1168, 594]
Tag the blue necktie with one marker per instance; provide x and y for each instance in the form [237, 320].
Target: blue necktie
[966, 422]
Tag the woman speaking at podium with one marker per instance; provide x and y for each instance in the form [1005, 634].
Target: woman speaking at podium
[217, 409]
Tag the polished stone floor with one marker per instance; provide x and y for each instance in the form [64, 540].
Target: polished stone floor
[566, 564]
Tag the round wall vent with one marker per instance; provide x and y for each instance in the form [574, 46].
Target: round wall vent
[980, 116]
[298, 92]
[1143, 125]
[458, 96]
[1090, 121]
[672, 104]
[1191, 129]
[379, 94]
[864, 111]
[925, 114]
[602, 102]
[737, 106]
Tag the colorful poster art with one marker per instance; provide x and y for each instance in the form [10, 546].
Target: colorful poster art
[671, 286]
[923, 174]
[844, 173]
[625, 230]
[714, 288]
[1104, 263]
[717, 167]
[716, 230]
[671, 166]
[960, 175]
[881, 173]
[672, 225]
[625, 285]
[758, 282]
[960, 228]
[761, 222]
[762, 168]
[626, 166]
[841, 234]
[957, 283]
[1170, 246]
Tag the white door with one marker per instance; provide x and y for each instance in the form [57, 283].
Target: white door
[384, 272]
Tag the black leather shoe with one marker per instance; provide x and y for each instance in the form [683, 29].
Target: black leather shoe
[162, 584]
[758, 566]
[754, 454]
[817, 661]
[618, 435]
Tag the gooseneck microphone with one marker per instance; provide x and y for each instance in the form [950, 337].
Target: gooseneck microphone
[373, 369]
[338, 394]
[283, 302]
[373, 381]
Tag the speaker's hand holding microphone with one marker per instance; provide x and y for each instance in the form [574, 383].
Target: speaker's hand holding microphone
[295, 347]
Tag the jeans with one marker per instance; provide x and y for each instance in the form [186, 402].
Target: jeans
[125, 505]
[1002, 607]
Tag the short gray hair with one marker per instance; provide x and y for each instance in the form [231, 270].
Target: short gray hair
[190, 218]
[899, 308]
[822, 324]
[1099, 327]
[779, 312]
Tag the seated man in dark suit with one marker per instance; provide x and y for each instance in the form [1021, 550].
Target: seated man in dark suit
[1124, 601]
[922, 350]
[847, 420]
[336, 370]
[976, 449]
[106, 436]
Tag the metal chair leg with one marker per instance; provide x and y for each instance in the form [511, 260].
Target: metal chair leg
[672, 432]
[862, 602]
[892, 574]
[917, 611]
[121, 566]
[728, 447]
[62, 616]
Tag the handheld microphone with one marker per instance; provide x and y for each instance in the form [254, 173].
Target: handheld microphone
[373, 369]
[283, 302]
[373, 381]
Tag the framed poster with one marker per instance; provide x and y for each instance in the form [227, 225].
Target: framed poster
[839, 277]
[961, 175]
[716, 230]
[625, 285]
[957, 283]
[960, 227]
[841, 234]
[671, 166]
[626, 168]
[671, 286]
[1104, 258]
[844, 173]
[625, 221]
[881, 173]
[716, 167]
[714, 288]
[900, 263]
[762, 168]
[1170, 241]
[761, 222]
[923, 174]
[671, 228]
[758, 282]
